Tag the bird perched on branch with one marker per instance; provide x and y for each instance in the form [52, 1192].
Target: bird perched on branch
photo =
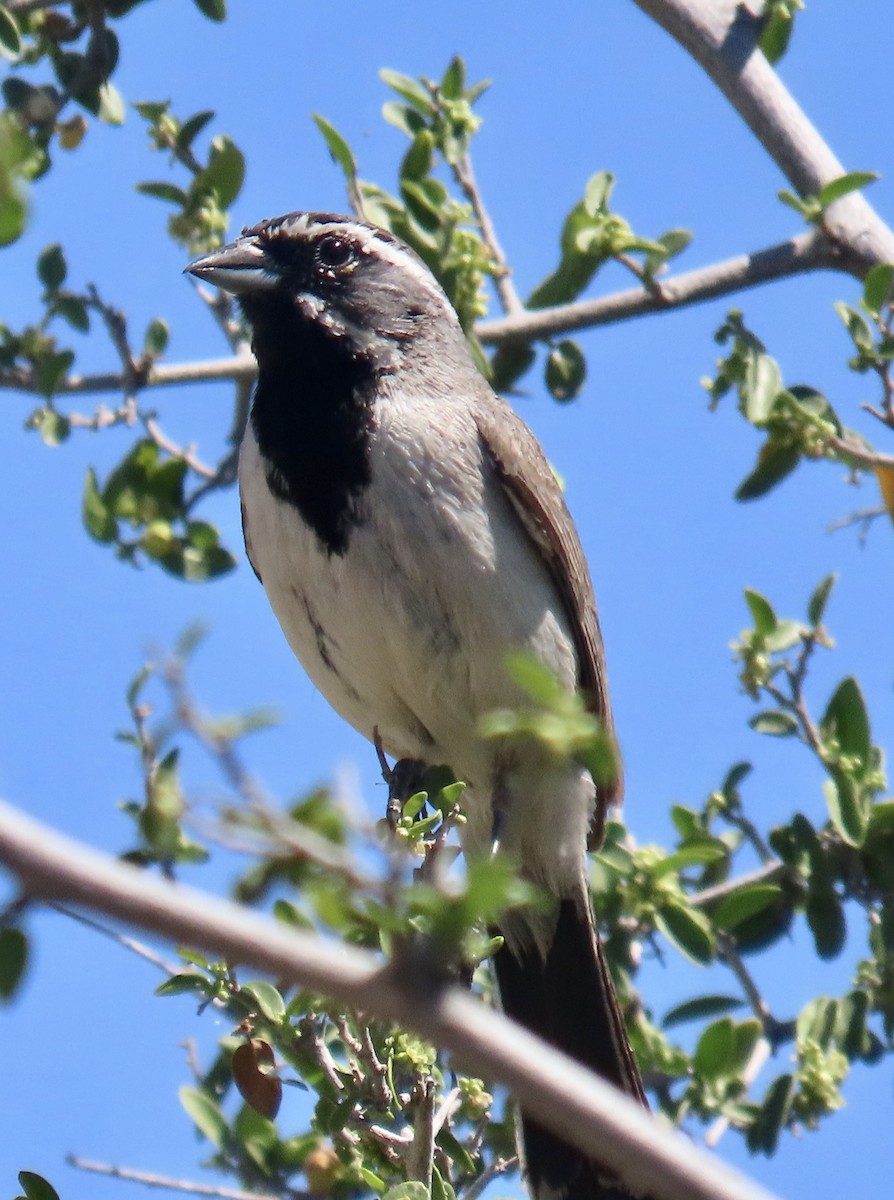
[409, 533]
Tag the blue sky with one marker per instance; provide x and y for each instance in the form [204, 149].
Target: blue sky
[650, 476]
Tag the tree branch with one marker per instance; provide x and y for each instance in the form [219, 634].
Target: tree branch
[150, 1179]
[465, 177]
[722, 36]
[243, 366]
[582, 1109]
[809, 251]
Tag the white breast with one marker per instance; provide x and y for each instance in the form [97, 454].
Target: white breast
[409, 629]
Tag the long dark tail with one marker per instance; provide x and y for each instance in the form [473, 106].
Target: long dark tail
[569, 1000]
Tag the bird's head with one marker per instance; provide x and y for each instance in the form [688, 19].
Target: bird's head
[357, 284]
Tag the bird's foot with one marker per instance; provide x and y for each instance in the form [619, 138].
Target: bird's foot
[404, 780]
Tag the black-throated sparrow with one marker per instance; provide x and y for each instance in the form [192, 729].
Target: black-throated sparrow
[409, 532]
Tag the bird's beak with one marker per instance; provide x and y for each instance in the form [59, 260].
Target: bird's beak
[240, 267]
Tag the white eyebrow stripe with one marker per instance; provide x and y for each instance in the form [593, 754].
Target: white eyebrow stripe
[368, 238]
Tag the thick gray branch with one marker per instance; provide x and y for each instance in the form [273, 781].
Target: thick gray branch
[808, 252]
[722, 37]
[586, 1111]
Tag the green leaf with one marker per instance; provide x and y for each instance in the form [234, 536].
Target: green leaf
[716, 1049]
[155, 340]
[226, 168]
[675, 241]
[35, 1187]
[847, 721]
[825, 916]
[52, 369]
[372, 1181]
[163, 191]
[699, 1008]
[98, 521]
[10, 40]
[54, 427]
[508, 363]
[775, 723]
[152, 110]
[856, 325]
[13, 214]
[688, 930]
[817, 1020]
[453, 84]
[417, 162]
[409, 89]
[695, 855]
[820, 598]
[850, 1026]
[51, 267]
[13, 961]
[776, 33]
[566, 370]
[763, 1136]
[775, 461]
[406, 119]
[881, 819]
[412, 1190]
[205, 1114]
[456, 1152]
[786, 634]
[761, 387]
[214, 10]
[845, 811]
[73, 310]
[762, 613]
[853, 181]
[744, 903]
[198, 564]
[191, 129]
[338, 148]
[185, 983]
[268, 1000]
[877, 287]
[735, 775]
[807, 208]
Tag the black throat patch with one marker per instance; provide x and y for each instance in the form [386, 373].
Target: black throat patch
[312, 416]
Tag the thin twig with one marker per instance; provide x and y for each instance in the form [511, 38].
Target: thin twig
[864, 517]
[868, 460]
[498, 1167]
[128, 943]
[151, 1179]
[282, 836]
[774, 1030]
[509, 298]
[243, 366]
[446, 1109]
[312, 1041]
[770, 872]
[116, 327]
[184, 453]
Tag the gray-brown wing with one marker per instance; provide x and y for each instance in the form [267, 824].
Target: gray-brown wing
[534, 493]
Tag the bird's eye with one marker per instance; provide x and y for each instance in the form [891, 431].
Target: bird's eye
[334, 252]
